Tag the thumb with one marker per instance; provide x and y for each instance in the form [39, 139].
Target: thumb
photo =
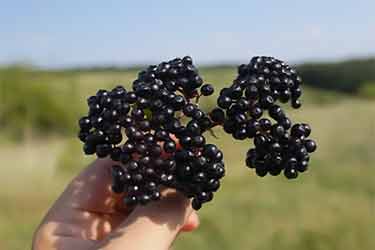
[154, 226]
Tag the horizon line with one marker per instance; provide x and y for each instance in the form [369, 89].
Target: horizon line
[218, 63]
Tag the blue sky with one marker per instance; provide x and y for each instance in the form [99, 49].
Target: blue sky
[68, 33]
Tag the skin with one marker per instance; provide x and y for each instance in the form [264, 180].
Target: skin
[88, 216]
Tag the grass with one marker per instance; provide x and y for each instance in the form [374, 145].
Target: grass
[331, 207]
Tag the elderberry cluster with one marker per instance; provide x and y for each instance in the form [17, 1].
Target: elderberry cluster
[165, 145]
[279, 145]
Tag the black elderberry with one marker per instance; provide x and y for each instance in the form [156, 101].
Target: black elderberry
[85, 123]
[138, 114]
[240, 134]
[276, 112]
[275, 147]
[102, 150]
[218, 157]
[130, 200]
[310, 146]
[260, 141]
[298, 130]
[178, 102]
[266, 102]
[296, 104]
[133, 165]
[155, 150]
[187, 60]
[198, 114]
[251, 92]
[307, 129]
[284, 95]
[239, 118]
[217, 115]
[302, 166]
[291, 173]
[198, 141]
[196, 204]
[169, 146]
[98, 122]
[261, 169]
[277, 130]
[229, 126]
[155, 195]
[213, 185]
[265, 124]
[131, 97]
[207, 90]
[236, 92]
[189, 109]
[116, 154]
[275, 170]
[285, 122]
[82, 135]
[256, 112]
[210, 150]
[89, 149]
[199, 177]
[224, 102]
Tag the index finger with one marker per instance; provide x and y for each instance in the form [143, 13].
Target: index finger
[91, 190]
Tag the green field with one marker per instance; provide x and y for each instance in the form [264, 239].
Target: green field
[330, 207]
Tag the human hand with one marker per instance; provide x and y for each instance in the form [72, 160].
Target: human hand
[89, 216]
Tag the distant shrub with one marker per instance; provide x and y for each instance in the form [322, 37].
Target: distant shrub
[367, 90]
[344, 76]
[322, 97]
[30, 100]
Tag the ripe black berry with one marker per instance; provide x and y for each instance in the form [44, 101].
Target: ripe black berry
[217, 115]
[224, 102]
[85, 123]
[310, 146]
[207, 90]
[290, 173]
[169, 146]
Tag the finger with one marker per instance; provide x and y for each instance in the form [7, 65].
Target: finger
[154, 226]
[88, 204]
[192, 223]
[47, 239]
[91, 190]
